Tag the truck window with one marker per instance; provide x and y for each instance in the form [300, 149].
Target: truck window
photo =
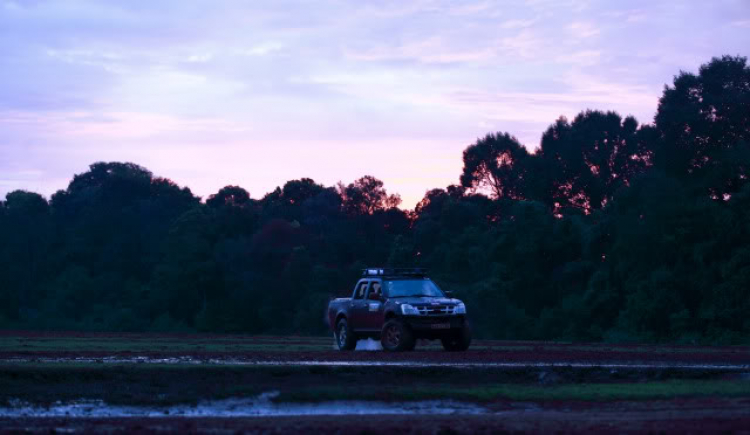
[412, 288]
[376, 289]
[361, 289]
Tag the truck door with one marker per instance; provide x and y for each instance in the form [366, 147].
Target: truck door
[358, 312]
[375, 306]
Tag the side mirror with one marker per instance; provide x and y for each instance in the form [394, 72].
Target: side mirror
[448, 293]
[373, 296]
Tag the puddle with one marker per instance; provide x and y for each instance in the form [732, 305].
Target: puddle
[417, 364]
[368, 344]
[471, 365]
[261, 406]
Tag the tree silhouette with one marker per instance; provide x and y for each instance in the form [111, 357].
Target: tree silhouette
[497, 162]
[26, 231]
[366, 196]
[587, 160]
[232, 196]
[703, 114]
[610, 231]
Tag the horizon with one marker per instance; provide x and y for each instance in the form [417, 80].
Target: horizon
[256, 96]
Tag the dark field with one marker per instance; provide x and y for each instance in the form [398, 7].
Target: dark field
[46, 345]
[496, 386]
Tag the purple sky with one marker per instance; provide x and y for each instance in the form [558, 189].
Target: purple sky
[255, 93]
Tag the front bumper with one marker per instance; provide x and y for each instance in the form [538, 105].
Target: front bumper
[428, 323]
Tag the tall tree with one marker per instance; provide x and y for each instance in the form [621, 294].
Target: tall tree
[229, 196]
[366, 196]
[26, 237]
[587, 160]
[704, 114]
[499, 163]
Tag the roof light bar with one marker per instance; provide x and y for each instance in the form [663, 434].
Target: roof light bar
[399, 271]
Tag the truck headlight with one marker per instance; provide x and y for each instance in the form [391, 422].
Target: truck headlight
[460, 309]
[409, 310]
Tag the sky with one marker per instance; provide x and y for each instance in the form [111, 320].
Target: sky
[212, 93]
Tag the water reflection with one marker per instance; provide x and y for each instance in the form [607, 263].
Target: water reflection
[260, 406]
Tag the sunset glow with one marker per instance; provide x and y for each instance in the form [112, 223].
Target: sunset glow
[234, 92]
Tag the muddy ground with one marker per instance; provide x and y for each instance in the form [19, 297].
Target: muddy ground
[45, 345]
[550, 387]
[679, 417]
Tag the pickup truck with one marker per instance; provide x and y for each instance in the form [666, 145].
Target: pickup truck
[399, 306]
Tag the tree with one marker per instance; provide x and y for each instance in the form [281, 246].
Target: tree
[366, 196]
[113, 222]
[292, 200]
[299, 191]
[27, 235]
[587, 160]
[232, 196]
[497, 162]
[703, 114]
[611, 231]
[187, 277]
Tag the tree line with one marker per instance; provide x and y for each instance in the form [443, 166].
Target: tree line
[612, 230]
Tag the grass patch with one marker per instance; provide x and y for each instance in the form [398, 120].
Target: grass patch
[152, 384]
[531, 393]
[162, 344]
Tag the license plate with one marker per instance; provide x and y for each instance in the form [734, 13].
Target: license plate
[441, 326]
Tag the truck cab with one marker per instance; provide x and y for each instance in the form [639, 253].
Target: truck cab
[397, 307]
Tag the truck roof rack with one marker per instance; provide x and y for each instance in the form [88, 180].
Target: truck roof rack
[419, 272]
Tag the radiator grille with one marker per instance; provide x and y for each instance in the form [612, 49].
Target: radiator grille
[435, 310]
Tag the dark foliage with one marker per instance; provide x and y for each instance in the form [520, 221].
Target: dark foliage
[610, 231]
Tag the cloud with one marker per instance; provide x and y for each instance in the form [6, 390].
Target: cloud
[262, 49]
[469, 8]
[518, 24]
[87, 80]
[548, 5]
[401, 9]
[432, 50]
[585, 58]
[628, 16]
[200, 58]
[583, 30]
[525, 44]
[108, 61]
[576, 92]
[115, 125]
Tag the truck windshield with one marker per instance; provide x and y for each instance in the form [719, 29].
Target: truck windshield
[412, 288]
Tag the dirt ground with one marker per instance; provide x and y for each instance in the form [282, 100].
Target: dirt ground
[41, 367]
[23, 344]
[678, 417]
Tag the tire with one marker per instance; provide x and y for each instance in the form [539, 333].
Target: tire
[397, 337]
[459, 341]
[345, 338]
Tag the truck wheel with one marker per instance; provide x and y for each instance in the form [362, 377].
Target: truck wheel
[396, 337]
[345, 338]
[459, 341]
